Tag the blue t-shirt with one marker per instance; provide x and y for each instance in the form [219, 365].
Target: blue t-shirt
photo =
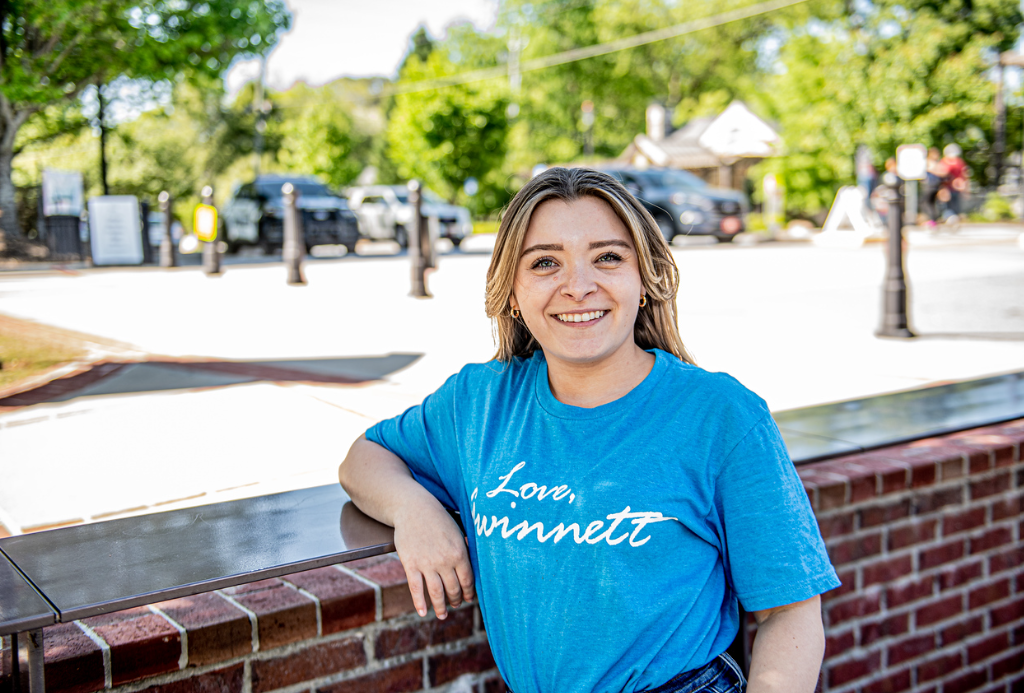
[610, 545]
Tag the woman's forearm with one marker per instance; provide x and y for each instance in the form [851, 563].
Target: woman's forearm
[788, 649]
[379, 482]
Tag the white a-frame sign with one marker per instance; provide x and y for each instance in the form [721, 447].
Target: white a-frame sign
[850, 221]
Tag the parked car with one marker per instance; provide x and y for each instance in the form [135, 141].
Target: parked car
[684, 204]
[384, 213]
[255, 214]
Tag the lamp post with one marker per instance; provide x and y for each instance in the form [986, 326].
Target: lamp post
[894, 291]
[418, 251]
[167, 258]
[211, 254]
[1006, 59]
[294, 245]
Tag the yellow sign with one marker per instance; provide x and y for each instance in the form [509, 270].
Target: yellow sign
[205, 223]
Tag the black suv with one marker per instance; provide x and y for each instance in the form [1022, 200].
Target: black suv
[255, 214]
[684, 204]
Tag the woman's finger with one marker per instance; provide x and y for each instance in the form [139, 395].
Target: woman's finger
[416, 590]
[464, 572]
[435, 588]
[453, 588]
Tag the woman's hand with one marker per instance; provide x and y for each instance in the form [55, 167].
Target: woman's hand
[433, 552]
[429, 543]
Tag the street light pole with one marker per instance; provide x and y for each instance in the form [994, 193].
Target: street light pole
[167, 258]
[294, 243]
[211, 254]
[894, 291]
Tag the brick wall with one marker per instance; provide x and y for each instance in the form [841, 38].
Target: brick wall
[926, 537]
[348, 629]
[928, 541]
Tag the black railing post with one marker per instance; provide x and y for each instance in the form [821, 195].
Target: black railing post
[167, 258]
[294, 246]
[894, 291]
[418, 247]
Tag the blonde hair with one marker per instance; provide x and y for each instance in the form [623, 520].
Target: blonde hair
[655, 323]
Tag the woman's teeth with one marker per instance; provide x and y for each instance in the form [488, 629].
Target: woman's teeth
[580, 317]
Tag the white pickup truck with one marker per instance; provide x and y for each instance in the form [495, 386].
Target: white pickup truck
[384, 213]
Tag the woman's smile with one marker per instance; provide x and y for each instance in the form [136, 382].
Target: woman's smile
[580, 319]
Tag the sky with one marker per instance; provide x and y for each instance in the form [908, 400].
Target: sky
[355, 38]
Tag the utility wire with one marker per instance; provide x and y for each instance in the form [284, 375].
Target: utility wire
[593, 51]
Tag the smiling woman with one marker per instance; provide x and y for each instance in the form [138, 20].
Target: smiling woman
[589, 450]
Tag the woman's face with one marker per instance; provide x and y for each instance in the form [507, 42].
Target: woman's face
[578, 281]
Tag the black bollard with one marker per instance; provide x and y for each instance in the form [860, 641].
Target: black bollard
[894, 291]
[167, 257]
[211, 254]
[294, 243]
[418, 244]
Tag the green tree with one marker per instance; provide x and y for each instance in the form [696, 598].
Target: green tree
[50, 51]
[446, 136]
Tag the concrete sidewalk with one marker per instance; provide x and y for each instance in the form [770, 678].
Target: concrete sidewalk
[171, 424]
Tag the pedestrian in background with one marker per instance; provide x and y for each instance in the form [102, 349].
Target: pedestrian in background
[935, 177]
[957, 182]
[620, 501]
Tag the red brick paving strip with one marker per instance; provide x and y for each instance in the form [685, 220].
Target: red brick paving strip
[308, 664]
[344, 601]
[141, 644]
[400, 679]
[387, 571]
[217, 630]
[74, 663]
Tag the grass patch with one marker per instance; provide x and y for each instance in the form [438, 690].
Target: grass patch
[28, 349]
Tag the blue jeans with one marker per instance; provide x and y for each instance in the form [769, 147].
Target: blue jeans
[720, 675]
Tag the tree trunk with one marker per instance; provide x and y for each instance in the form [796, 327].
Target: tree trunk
[8, 207]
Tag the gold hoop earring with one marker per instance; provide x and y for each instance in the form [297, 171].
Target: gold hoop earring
[515, 313]
[643, 301]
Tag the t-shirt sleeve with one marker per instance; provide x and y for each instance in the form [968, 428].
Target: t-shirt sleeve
[424, 437]
[773, 550]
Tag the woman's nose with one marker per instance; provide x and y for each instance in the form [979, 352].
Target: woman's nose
[578, 281]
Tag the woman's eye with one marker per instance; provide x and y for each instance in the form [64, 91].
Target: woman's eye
[543, 263]
[609, 257]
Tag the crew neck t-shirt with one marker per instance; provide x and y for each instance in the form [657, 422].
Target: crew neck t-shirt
[611, 545]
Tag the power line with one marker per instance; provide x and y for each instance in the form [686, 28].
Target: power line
[593, 51]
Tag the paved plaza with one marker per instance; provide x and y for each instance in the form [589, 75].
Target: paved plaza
[215, 388]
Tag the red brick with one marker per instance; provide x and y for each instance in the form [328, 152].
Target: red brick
[884, 514]
[854, 549]
[282, 615]
[217, 630]
[387, 571]
[915, 533]
[959, 574]
[838, 644]
[986, 594]
[227, 680]
[447, 667]
[939, 610]
[887, 571]
[308, 664]
[997, 536]
[399, 679]
[963, 521]
[1007, 613]
[1001, 448]
[848, 583]
[930, 502]
[1005, 508]
[854, 607]
[861, 483]
[989, 487]
[870, 631]
[117, 616]
[962, 630]
[836, 525]
[897, 595]
[910, 648]
[140, 647]
[944, 553]
[419, 636]
[1009, 665]
[1011, 559]
[971, 681]
[344, 601]
[892, 683]
[933, 669]
[839, 674]
[74, 663]
[891, 475]
[983, 649]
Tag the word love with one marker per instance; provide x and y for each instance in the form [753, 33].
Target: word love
[593, 534]
[530, 489]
